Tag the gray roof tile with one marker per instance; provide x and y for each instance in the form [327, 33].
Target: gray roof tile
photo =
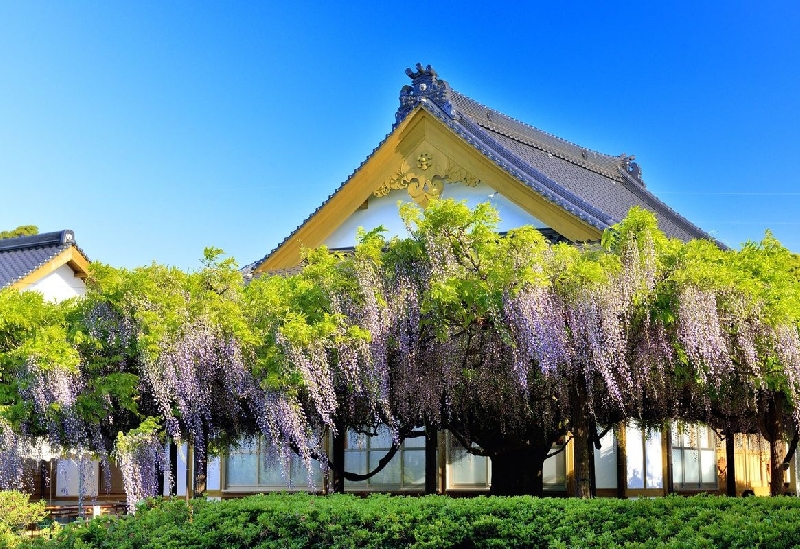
[596, 187]
[22, 255]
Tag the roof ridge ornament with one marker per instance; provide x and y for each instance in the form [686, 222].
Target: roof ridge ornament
[420, 72]
[632, 168]
[426, 87]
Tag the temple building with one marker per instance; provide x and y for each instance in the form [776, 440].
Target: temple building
[446, 145]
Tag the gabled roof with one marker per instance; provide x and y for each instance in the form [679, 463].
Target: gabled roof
[26, 259]
[595, 190]
[597, 187]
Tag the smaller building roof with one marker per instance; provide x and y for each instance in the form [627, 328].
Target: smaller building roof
[25, 259]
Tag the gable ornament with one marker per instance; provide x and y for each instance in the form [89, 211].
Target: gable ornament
[632, 168]
[426, 181]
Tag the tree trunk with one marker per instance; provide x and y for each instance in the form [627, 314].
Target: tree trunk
[200, 464]
[776, 467]
[580, 437]
[200, 469]
[518, 472]
[337, 484]
[774, 435]
[730, 465]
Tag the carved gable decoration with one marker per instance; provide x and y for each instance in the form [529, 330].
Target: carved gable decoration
[424, 179]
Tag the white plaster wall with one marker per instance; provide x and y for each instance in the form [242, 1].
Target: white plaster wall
[68, 478]
[384, 211]
[59, 285]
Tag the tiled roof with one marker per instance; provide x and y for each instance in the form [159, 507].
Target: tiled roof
[598, 188]
[595, 187]
[22, 255]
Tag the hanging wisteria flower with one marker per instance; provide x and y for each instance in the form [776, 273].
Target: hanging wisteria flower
[141, 457]
[200, 384]
[536, 319]
[701, 336]
[11, 460]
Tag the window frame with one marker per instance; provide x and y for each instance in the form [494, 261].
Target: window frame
[685, 439]
[289, 483]
[371, 446]
[658, 448]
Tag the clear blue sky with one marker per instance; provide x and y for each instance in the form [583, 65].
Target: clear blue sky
[155, 129]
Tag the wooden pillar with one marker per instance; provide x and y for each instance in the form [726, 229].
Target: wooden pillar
[160, 481]
[170, 474]
[622, 465]
[44, 473]
[594, 443]
[189, 472]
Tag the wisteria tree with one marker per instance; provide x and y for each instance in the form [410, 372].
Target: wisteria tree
[753, 350]
[40, 382]
[322, 356]
[771, 348]
[510, 343]
[179, 343]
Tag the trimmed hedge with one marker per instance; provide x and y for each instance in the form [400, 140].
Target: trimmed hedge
[299, 520]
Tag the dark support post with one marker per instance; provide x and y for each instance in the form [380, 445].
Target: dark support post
[338, 462]
[594, 443]
[159, 481]
[730, 465]
[431, 446]
[44, 479]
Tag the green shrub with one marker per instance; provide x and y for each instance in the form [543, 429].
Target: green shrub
[16, 512]
[345, 521]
